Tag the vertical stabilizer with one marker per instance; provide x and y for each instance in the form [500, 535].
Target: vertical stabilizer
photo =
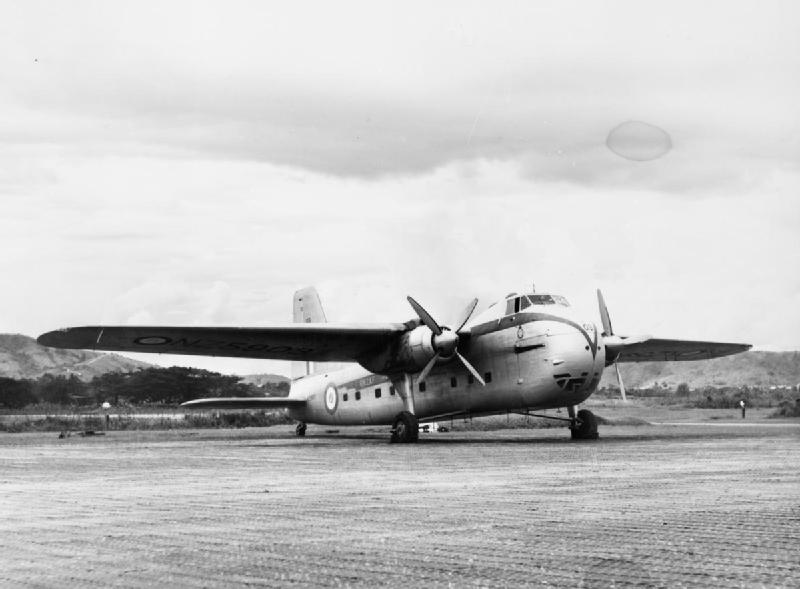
[307, 308]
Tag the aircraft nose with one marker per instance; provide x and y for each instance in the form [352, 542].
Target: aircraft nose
[574, 359]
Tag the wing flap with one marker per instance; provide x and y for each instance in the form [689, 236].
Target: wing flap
[671, 350]
[244, 403]
[317, 342]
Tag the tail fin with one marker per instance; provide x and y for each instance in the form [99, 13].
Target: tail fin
[307, 308]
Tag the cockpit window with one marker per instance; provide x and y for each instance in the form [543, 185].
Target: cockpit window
[517, 304]
[546, 299]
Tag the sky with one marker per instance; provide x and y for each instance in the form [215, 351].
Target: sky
[194, 163]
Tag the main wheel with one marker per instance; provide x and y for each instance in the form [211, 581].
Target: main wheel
[405, 429]
[300, 430]
[585, 427]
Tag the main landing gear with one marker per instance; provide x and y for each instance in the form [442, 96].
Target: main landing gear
[583, 426]
[300, 430]
[405, 429]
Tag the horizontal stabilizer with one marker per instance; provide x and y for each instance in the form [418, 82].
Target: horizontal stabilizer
[648, 349]
[244, 403]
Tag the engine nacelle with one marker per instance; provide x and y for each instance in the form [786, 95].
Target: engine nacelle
[409, 353]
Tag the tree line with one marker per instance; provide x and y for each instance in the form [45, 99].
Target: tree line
[150, 386]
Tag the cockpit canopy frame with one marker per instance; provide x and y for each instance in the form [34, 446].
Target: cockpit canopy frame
[517, 303]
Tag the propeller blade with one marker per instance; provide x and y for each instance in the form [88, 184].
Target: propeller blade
[621, 384]
[469, 367]
[465, 315]
[607, 329]
[423, 375]
[429, 321]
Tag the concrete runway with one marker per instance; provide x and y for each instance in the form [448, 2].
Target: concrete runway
[654, 506]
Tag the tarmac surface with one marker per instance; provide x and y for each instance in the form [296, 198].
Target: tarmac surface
[650, 506]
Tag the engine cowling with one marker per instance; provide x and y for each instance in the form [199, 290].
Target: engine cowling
[422, 346]
[409, 353]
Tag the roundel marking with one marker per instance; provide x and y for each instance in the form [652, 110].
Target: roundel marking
[156, 340]
[331, 398]
[520, 333]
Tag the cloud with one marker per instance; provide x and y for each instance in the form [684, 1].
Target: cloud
[167, 166]
[403, 97]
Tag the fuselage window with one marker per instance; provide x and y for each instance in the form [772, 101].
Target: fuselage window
[377, 393]
[487, 377]
[422, 387]
[453, 382]
[358, 395]
[344, 396]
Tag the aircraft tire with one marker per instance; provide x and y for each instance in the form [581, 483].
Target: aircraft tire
[405, 429]
[586, 426]
[300, 430]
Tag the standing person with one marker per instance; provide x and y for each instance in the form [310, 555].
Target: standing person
[741, 404]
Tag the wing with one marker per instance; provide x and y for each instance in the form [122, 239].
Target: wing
[317, 342]
[669, 350]
[244, 403]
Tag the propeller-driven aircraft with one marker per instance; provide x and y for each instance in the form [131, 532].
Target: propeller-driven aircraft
[527, 352]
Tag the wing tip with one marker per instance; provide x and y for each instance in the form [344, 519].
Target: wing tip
[69, 337]
[51, 338]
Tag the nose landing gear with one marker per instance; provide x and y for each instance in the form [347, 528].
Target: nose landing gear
[300, 430]
[583, 426]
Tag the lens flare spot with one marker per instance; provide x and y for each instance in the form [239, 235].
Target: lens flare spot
[638, 141]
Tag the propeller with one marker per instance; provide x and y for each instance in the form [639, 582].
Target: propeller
[445, 340]
[608, 331]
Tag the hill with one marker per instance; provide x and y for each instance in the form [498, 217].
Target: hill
[261, 380]
[21, 357]
[748, 369]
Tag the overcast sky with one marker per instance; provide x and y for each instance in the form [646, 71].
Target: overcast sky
[194, 163]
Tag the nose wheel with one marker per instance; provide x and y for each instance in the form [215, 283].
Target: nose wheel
[300, 430]
[583, 426]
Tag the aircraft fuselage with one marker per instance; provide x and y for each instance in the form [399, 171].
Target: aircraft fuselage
[539, 358]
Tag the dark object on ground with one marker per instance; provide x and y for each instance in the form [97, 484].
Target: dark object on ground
[83, 434]
[586, 428]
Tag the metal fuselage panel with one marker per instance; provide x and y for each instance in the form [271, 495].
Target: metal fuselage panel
[539, 359]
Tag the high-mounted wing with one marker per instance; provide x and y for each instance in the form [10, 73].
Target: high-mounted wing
[669, 350]
[315, 342]
[244, 403]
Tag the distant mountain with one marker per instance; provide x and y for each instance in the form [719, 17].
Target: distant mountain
[749, 368]
[264, 379]
[22, 357]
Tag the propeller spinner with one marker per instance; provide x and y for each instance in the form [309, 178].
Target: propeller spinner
[445, 340]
